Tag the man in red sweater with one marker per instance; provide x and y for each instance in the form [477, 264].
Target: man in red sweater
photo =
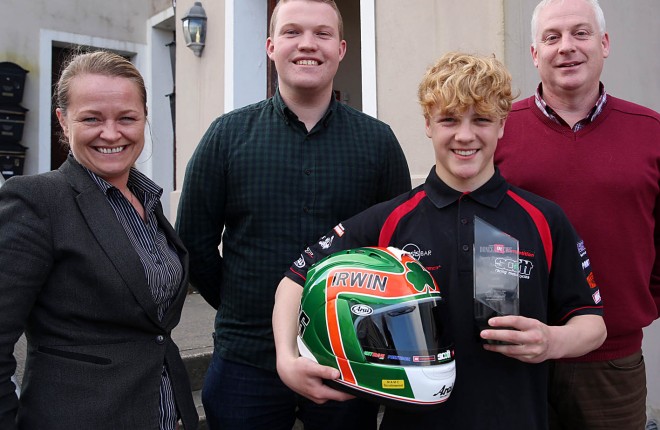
[599, 158]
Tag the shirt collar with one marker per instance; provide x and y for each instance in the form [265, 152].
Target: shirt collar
[591, 116]
[489, 194]
[288, 115]
[136, 180]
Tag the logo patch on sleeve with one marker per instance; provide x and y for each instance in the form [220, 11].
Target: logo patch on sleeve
[596, 296]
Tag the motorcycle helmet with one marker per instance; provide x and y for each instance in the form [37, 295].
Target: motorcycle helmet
[377, 316]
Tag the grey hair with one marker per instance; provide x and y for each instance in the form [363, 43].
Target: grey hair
[598, 12]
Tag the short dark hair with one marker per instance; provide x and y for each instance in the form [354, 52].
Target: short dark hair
[340, 22]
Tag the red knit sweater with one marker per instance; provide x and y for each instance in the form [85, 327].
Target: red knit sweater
[606, 177]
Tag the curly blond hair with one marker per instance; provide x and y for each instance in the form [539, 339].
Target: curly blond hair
[458, 81]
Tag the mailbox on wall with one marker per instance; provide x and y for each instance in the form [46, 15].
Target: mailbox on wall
[12, 82]
[12, 159]
[12, 122]
[12, 119]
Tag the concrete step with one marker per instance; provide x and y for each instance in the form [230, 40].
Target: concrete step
[197, 397]
[194, 337]
[196, 363]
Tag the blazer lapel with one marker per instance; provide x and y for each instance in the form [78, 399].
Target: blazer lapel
[104, 225]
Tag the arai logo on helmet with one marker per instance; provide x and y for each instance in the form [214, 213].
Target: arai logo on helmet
[361, 310]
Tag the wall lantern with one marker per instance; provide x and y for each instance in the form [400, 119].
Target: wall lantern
[194, 28]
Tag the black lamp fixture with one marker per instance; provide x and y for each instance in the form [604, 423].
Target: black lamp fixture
[194, 28]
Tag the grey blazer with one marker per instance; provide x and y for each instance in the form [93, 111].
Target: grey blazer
[70, 278]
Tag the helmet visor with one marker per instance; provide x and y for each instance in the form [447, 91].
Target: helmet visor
[406, 333]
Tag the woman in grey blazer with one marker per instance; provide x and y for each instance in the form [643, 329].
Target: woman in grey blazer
[92, 272]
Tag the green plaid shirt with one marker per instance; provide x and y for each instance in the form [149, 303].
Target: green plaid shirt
[266, 188]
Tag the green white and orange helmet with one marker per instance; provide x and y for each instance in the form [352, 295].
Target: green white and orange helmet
[377, 316]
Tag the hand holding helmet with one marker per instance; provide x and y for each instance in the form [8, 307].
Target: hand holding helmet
[306, 377]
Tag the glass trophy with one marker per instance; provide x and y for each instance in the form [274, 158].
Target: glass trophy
[496, 270]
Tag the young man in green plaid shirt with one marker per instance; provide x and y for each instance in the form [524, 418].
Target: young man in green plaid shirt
[264, 181]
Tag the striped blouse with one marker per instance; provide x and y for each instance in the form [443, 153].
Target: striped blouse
[162, 266]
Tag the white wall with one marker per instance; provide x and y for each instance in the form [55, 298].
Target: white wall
[157, 159]
[245, 52]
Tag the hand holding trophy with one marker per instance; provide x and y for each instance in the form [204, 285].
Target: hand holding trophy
[495, 275]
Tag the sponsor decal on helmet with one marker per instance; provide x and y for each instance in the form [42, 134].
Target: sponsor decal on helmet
[359, 279]
[393, 384]
[378, 355]
[585, 264]
[419, 278]
[445, 391]
[303, 322]
[339, 230]
[423, 358]
[399, 358]
[361, 310]
[447, 355]
[309, 252]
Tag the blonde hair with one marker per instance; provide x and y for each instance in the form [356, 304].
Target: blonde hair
[458, 81]
[96, 63]
[331, 3]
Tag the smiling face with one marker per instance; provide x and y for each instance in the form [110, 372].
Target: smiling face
[306, 47]
[104, 124]
[569, 50]
[464, 146]
[465, 99]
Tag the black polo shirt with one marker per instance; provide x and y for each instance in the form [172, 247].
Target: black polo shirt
[436, 224]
